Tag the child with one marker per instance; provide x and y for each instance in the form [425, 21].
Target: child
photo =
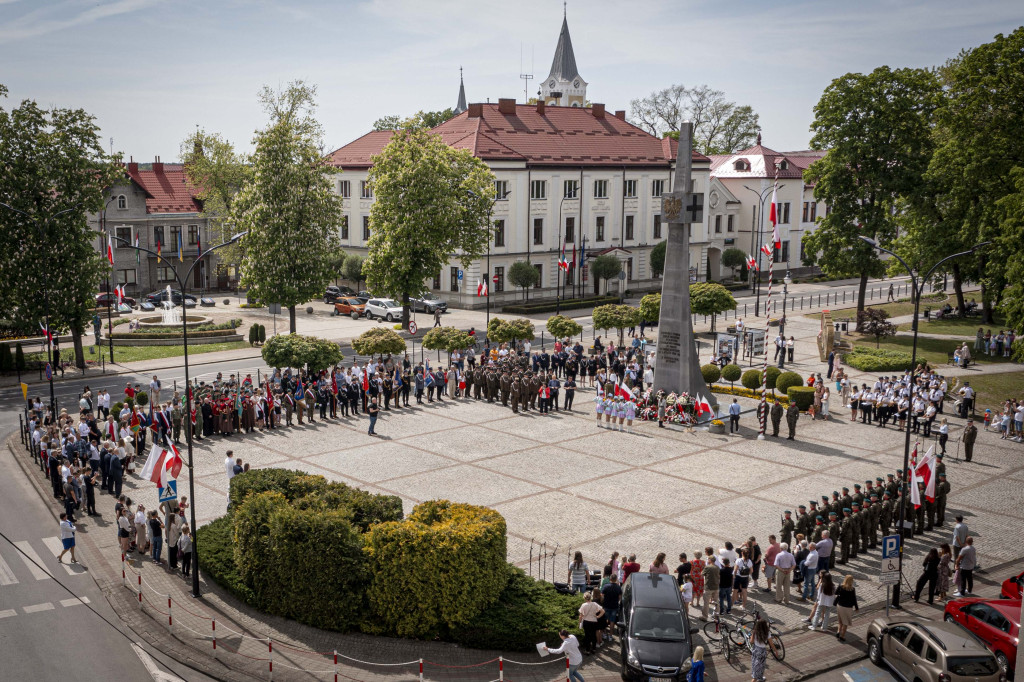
[630, 415]
[599, 408]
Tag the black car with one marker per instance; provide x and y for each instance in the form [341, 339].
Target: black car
[157, 298]
[333, 293]
[655, 630]
[105, 300]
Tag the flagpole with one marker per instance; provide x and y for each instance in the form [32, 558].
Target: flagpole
[763, 407]
[110, 245]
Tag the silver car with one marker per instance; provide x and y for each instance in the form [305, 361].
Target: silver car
[930, 651]
[428, 303]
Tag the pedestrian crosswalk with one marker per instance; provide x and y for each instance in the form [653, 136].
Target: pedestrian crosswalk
[25, 562]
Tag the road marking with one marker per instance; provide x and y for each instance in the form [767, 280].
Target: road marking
[151, 666]
[7, 613]
[74, 602]
[38, 607]
[39, 569]
[56, 546]
[6, 574]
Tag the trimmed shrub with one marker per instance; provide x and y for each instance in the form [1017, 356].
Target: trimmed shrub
[731, 373]
[263, 334]
[116, 408]
[550, 307]
[803, 396]
[141, 398]
[711, 373]
[745, 392]
[254, 334]
[6, 358]
[877, 359]
[217, 559]
[253, 555]
[751, 379]
[786, 380]
[773, 377]
[440, 568]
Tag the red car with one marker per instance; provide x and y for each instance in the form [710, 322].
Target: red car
[994, 621]
[1012, 587]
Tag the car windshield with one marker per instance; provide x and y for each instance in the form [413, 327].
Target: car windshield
[663, 624]
[972, 666]
[388, 303]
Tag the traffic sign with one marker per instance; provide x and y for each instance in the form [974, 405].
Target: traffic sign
[460, 275]
[412, 328]
[170, 492]
[890, 546]
[496, 278]
[49, 372]
[889, 574]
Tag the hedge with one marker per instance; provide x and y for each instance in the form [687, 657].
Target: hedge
[193, 334]
[744, 392]
[877, 359]
[711, 373]
[803, 396]
[437, 569]
[550, 307]
[217, 558]
[751, 379]
[787, 379]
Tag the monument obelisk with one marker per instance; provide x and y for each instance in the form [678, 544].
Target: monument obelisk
[677, 367]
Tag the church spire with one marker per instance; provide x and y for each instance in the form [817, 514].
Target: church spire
[564, 64]
[563, 85]
[461, 105]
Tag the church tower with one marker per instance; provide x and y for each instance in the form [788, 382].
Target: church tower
[563, 86]
[461, 105]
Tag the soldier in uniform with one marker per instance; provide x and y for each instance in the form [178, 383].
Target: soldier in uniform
[506, 386]
[891, 486]
[792, 415]
[847, 500]
[824, 507]
[847, 549]
[176, 416]
[819, 526]
[929, 512]
[802, 521]
[855, 523]
[529, 391]
[969, 436]
[868, 489]
[885, 513]
[919, 512]
[788, 526]
[940, 466]
[289, 407]
[836, 506]
[812, 513]
[515, 386]
[776, 413]
[941, 491]
[858, 496]
[835, 529]
[492, 385]
[862, 526]
[874, 514]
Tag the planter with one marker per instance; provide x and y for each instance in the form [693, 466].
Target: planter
[717, 429]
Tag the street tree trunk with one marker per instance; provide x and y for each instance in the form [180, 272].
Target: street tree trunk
[958, 287]
[405, 311]
[291, 319]
[862, 295]
[76, 337]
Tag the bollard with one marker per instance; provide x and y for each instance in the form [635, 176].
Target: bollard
[213, 623]
[421, 670]
[501, 669]
[170, 618]
[567, 669]
[124, 574]
[140, 591]
[844, 297]
[270, 663]
[335, 665]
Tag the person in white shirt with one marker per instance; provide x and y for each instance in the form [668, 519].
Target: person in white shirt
[810, 572]
[785, 562]
[734, 416]
[571, 648]
[67, 539]
[154, 390]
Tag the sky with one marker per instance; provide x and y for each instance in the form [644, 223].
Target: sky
[150, 71]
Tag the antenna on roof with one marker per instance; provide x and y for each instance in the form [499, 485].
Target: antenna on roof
[525, 77]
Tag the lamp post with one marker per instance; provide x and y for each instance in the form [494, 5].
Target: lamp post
[786, 281]
[188, 392]
[558, 270]
[40, 226]
[761, 196]
[490, 236]
[916, 282]
[110, 294]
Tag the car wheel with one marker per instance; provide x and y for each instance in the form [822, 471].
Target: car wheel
[390, 317]
[949, 619]
[875, 650]
[327, 301]
[1004, 664]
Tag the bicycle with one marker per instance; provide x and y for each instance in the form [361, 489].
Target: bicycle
[743, 635]
[719, 632]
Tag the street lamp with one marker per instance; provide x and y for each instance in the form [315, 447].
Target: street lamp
[490, 236]
[761, 196]
[188, 391]
[916, 281]
[110, 294]
[558, 270]
[786, 281]
[46, 299]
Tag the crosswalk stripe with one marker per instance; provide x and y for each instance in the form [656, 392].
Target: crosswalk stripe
[56, 546]
[6, 574]
[38, 607]
[40, 570]
[74, 602]
[7, 613]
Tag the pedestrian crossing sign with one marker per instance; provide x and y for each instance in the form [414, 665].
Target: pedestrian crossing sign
[169, 492]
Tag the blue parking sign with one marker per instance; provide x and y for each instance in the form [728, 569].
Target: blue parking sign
[890, 546]
[460, 275]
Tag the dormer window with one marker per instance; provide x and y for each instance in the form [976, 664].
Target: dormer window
[741, 165]
[783, 165]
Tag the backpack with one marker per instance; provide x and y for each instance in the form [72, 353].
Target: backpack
[745, 571]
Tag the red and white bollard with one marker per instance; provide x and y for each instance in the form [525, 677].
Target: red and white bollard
[501, 669]
[421, 670]
[335, 665]
[170, 618]
[140, 591]
[567, 669]
[213, 622]
[124, 574]
[270, 663]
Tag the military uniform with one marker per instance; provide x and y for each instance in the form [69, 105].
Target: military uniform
[176, 416]
[920, 511]
[492, 386]
[846, 499]
[792, 415]
[929, 512]
[969, 436]
[885, 514]
[941, 492]
[776, 414]
[506, 386]
[836, 506]
[835, 533]
[514, 389]
[874, 512]
[891, 486]
[788, 526]
[858, 496]
[847, 550]
[819, 527]
[862, 528]
[802, 521]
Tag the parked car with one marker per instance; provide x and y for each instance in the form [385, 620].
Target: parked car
[929, 651]
[106, 299]
[995, 621]
[351, 306]
[428, 303]
[383, 308]
[158, 297]
[365, 294]
[333, 293]
[655, 631]
[1011, 588]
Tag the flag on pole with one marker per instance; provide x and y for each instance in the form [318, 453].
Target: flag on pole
[110, 250]
[481, 287]
[772, 212]
[583, 250]
[181, 251]
[162, 465]
[925, 472]
[199, 248]
[138, 254]
[562, 262]
[752, 264]
[766, 249]
[47, 334]
[623, 391]
[119, 293]
[158, 246]
[573, 264]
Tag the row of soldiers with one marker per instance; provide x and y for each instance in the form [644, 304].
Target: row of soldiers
[855, 520]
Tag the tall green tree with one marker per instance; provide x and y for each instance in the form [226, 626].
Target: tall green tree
[877, 131]
[421, 119]
[431, 205]
[523, 275]
[710, 298]
[352, 269]
[288, 205]
[54, 170]
[604, 267]
[732, 259]
[658, 258]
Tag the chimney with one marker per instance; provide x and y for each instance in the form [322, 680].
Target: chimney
[476, 110]
[598, 110]
[540, 107]
[621, 114]
[507, 106]
[158, 167]
[133, 166]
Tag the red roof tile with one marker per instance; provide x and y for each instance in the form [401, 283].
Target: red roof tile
[357, 153]
[167, 188]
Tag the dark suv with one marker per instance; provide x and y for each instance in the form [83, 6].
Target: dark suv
[655, 630]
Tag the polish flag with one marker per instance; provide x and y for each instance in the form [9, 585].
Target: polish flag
[772, 216]
[752, 264]
[925, 471]
[162, 465]
[481, 287]
[621, 390]
[119, 292]
[767, 250]
[47, 334]
[110, 250]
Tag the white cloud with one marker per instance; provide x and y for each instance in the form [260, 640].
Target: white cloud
[59, 16]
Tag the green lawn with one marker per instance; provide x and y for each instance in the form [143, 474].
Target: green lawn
[897, 309]
[124, 354]
[994, 389]
[935, 351]
[956, 326]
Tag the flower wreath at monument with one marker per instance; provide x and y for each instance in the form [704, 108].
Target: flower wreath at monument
[679, 407]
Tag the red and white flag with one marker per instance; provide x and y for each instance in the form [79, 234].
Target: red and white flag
[623, 391]
[752, 264]
[162, 465]
[767, 250]
[703, 406]
[47, 334]
[925, 472]
[481, 287]
[698, 405]
[110, 250]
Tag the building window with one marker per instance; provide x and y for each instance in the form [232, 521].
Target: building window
[600, 189]
[344, 227]
[570, 230]
[499, 233]
[540, 275]
[122, 201]
[158, 235]
[785, 250]
[454, 279]
[165, 274]
[718, 224]
[629, 228]
[599, 229]
[175, 231]
[539, 189]
[436, 284]
[782, 213]
[538, 231]
[741, 165]
[126, 276]
[728, 223]
[828, 210]
[657, 227]
[814, 211]
[193, 235]
[657, 188]
[344, 189]
[499, 280]
[629, 189]
[366, 228]
[365, 191]
[570, 189]
[123, 233]
[501, 190]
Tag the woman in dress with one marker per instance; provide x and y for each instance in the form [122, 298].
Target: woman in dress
[945, 570]
[659, 565]
[824, 402]
[854, 403]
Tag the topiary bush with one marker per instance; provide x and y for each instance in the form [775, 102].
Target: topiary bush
[254, 334]
[877, 359]
[731, 373]
[440, 568]
[711, 373]
[773, 376]
[141, 398]
[786, 380]
[263, 334]
[751, 379]
[217, 559]
[803, 396]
